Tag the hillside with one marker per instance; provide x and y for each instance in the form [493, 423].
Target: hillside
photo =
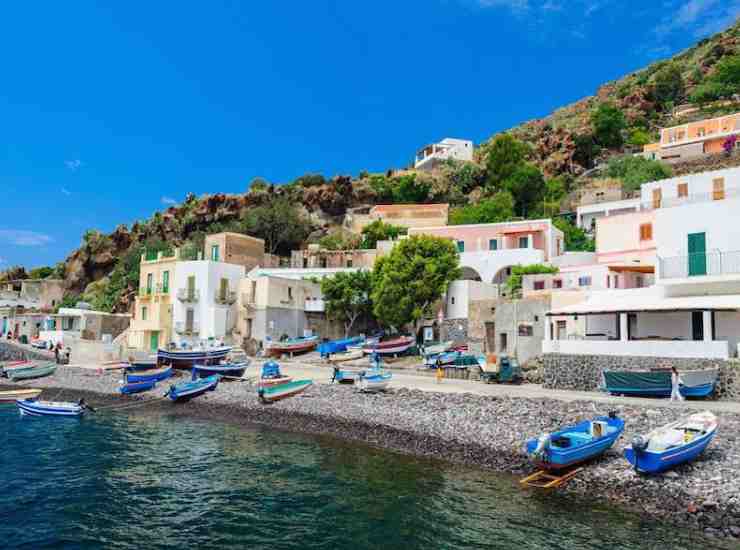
[530, 179]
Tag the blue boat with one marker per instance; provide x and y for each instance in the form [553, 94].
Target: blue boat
[235, 370]
[657, 383]
[185, 391]
[137, 387]
[446, 358]
[187, 357]
[338, 346]
[32, 407]
[154, 375]
[575, 444]
[673, 444]
[375, 381]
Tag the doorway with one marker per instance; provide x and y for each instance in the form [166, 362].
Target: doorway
[154, 340]
[491, 337]
[697, 244]
[697, 325]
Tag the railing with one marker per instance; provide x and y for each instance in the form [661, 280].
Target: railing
[151, 290]
[315, 305]
[183, 327]
[225, 297]
[700, 264]
[188, 294]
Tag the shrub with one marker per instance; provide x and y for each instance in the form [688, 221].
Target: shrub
[339, 240]
[514, 282]
[498, 208]
[380, 231]
[638, 137]
[634, 171]
[668, 85]
[608, 122]
[576, 239]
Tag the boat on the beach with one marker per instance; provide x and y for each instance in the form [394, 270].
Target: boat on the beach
[337, 346]
[233, 370]
[292, 346]
[575, 444]
[672, 444]
[32, 407]
[37, 370]
[185, 391]
[146, 363]
[11, 396]
[394, 346]
[8, 366]
[270, 394]
[349, 355]
[185, 358]
[436, 349]
[375, 382]
[153, 375]
[657, 382]
[444, 358]
[271, 375]
[128, 388]
[344, 376]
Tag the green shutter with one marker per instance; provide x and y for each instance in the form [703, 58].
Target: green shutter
[697, 254]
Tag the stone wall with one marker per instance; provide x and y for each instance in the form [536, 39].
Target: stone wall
[455, 330]
[584, 372]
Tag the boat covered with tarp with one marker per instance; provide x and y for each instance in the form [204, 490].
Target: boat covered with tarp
[575, 444]
[657, 382]
[185, 391]
[338, 346]
[672, 444]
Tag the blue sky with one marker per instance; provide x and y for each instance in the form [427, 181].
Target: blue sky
[110, 111]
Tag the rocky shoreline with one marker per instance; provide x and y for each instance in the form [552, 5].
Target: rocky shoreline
[480, 431]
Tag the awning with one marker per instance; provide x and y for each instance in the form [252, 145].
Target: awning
[634, 268]
[633, 304]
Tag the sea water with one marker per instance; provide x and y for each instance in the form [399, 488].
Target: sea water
[125, 481]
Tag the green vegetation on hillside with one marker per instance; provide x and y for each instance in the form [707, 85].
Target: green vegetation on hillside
[634, 171]
[380, 231]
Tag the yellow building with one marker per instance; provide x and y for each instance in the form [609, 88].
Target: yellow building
[152, 321]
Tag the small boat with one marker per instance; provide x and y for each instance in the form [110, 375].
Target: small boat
[36, 371]
[375, 382]
[271, 375]
[446, 358]
[185, 391]
[395, 346]
[233, 370]
[344, 376]
[186, 358]
[12, 365]
[142, 364]
[575, 444]
[11, 396]
[292, 345]
[153, 375]
[436, 349]
[346, 356]
[31, 407]
[672, 444]
[271, 394]
[657, 382]
[39, 344]
[128, 388]
[337, 346]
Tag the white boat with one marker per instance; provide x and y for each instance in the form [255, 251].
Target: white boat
[31, 407]
[346, 356]
[375, 382]
[436, 349]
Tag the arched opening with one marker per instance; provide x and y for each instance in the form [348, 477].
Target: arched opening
[470, 274]
[502, 275]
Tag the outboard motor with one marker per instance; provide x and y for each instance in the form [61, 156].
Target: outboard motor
[542, 443]
[640, 443]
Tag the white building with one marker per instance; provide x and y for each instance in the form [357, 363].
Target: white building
[461, 293]
[204, 305]
[587, 215]
[449, 148]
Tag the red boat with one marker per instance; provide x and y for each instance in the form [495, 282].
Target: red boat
[395, 346]
[293, 345]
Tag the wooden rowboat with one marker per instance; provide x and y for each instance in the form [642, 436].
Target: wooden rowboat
[50, 408]
[137, 387]
[276, 381]
[37, 371]
[375, 382]
[154, 375]
[276, 393]
[395, 346]
[11, 396]
[185, 391]
[346, 356]
[293, 345]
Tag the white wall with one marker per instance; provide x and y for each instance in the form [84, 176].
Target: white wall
[664, 324]
[727, 328]
[488, 263]
[698, 184]
[648, 348]
[461, 293]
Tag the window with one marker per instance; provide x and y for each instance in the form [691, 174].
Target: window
[525, 330]
[646, 232]
[584, 281]
[639, 282]
[557, 283]
[461, 246]
[539, 285]
[149, 282]
[701, 132]
[718, 189]
[323, 262]
[502, 342]
[223, 289]
[305, 262]
[683, 190]
[143, 313]
[608, 282]
[493, 244]
[452, 300]
[523, 242]
[349, 262]
[657, 198]
[290, 293]
[165, 282]
[214, 253]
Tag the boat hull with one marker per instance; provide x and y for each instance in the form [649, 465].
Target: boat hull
[137, 387]
[277, 349]
[31, 373]
[149, 376]
[375, 383]
[189, 390]
[42, 408]
[345, 356]
[282, 391]
[187, 358]
[11, 396]
[658, 383]
[267, 382]
[399, 345]
[235, 370]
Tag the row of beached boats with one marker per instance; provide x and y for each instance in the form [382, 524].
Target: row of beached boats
[654, 452]
[344, 349]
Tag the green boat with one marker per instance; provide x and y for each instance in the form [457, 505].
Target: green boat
[36, 371]
[270, 394]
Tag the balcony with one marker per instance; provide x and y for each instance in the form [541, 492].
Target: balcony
[188, 294]
[704, 264]
[183, 327]
[226, 298]
[316, 306]
[146, 292]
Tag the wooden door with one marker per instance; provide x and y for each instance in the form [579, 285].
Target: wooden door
[491, 337]
[657, 197]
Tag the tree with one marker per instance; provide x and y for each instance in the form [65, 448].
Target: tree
[279, 223]
[505, 155]
[340, 240]
[380, 231]
[347, 296]
[310, 180]
[576, 239]
[586, 150]
[409, 189]
[514, 282]
[555, 190]
[723, 82]
[41, 272]
[608, 123]
[411, 278]
[638, 137]
[258, 185]
[634, 171]
[668, 85]
[498, 208]
[527, 186]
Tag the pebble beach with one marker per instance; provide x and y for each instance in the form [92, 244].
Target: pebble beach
[481, 431]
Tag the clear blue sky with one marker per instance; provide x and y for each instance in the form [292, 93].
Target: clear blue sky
[111, 110]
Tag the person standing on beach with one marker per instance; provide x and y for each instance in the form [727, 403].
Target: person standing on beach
[675, 385]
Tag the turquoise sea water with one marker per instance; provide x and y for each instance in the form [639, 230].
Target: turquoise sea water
[140, 481]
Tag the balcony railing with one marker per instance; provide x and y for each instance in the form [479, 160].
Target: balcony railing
[152, 290]
[183, 327]
[188, 294]
[315, 305]
[700, 264]
[225, 297]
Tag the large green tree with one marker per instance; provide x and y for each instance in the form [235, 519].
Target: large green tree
[668, 86]
[505, 154]
[347, 297]
[411, 278]
[576, 239]
[608, 122]
[279, 223]
[498, 208]
[380, 231]
[527, 186]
